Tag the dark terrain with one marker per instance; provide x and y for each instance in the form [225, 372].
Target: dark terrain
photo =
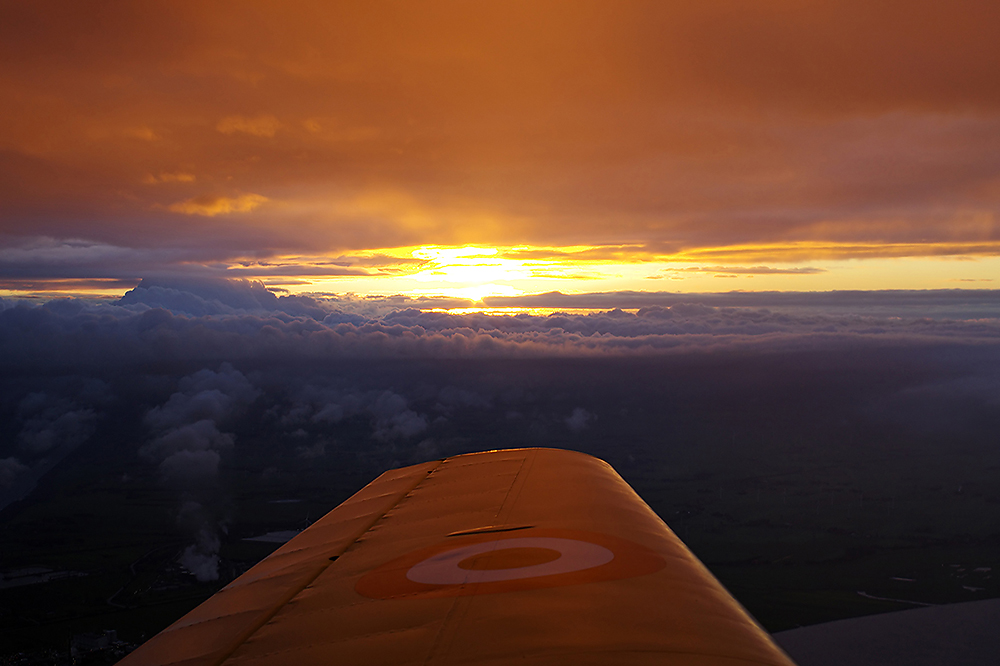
[814, 489]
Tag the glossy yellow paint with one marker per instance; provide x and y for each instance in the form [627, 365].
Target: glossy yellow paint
[622, 590]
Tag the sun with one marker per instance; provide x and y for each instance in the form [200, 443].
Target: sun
[469, 272]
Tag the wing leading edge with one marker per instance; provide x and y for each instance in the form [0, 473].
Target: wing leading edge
[539, 556]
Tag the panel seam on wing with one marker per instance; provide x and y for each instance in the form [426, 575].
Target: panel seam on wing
[443, 640]
[277, 609]
[270, 653]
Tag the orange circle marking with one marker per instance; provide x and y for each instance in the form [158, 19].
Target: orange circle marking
[492, 563]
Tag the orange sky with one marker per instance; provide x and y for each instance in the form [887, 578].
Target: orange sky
[823, 145]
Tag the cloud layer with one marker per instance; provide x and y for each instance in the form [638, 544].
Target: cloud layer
[202, 388]
[318, 127]
[240, 320]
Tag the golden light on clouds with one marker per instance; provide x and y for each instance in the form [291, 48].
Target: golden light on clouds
[264, 126]
[514, 146]
[209, 206]
[477, 272]
[179, 177]
[467, 265]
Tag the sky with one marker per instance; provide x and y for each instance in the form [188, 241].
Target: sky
[480, 150]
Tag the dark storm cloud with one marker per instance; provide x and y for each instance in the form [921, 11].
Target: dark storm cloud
[389, 413]
[187, 447]
[49, 424]
[54, 426]
[578, 420]
[187, 443]
[393, 418]
[10, 469]
[205, 395]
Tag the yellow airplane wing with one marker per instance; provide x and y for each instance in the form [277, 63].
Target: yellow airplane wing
[529, 556]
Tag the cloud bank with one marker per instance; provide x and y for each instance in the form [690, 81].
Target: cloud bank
[214, 385]
[240, 320]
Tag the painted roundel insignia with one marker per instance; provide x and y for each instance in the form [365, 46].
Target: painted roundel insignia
[508, 562]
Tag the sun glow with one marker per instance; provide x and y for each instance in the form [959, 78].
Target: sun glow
[471, 273]
[474, 272]
[475, 293]
[468, 265]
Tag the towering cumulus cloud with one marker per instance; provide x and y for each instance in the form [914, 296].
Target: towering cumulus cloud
[187, 447]
[51, 419]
